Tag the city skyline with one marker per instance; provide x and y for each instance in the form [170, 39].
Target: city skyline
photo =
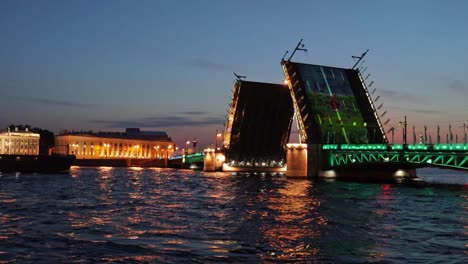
[108, 65]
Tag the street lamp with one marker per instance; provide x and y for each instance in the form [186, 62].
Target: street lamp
[194, 145]
[404, 130]
[218, 135]
[168, 149]
[187, 144]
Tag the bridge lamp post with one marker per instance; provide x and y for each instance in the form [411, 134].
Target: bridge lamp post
[464, 133]
[168, 149]
[194, 142]
[404, 130]
[392, 129]
[187, 144]
[299, 46]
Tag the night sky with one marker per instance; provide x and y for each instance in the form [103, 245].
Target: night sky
[168, 65]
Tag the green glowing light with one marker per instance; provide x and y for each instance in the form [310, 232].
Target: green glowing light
[330, 146]
[443, 155]
[417, 147]
[397, 147]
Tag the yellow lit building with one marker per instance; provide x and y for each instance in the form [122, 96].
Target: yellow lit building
[132, 144]
[19, 142]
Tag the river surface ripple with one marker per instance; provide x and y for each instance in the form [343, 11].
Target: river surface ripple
[133, 215]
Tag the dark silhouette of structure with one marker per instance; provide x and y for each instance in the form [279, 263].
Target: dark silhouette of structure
[258, 125]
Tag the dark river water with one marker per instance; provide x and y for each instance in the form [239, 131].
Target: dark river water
[132, 215]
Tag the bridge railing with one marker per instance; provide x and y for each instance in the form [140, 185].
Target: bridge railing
[409, 147]
[190, 158]
[443, 155]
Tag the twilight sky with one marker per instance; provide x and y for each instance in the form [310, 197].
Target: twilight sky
[167, 65]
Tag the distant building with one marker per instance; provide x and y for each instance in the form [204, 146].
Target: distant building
[19, 142]
[131, 144]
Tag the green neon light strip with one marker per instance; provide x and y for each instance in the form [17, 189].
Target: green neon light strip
[438, 147]
[352, 154]
[329, 146]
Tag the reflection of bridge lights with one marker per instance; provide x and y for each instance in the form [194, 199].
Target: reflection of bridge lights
[353, 160]
[386, 187]
[400, 173]
[329, 174]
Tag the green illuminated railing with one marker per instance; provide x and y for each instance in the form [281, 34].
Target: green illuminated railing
[444, 155]
[451, 147]
[435, 147]
[194, 158]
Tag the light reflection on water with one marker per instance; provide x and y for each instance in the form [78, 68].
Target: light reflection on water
[110, 214]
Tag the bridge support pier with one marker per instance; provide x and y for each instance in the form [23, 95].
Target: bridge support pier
[382, 172]
[296, 160]
[213, 160]
[315, 160]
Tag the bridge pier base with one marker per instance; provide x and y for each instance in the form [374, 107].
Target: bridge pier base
[296, 160]
[371, 173]
[315, 160]
[213, 160]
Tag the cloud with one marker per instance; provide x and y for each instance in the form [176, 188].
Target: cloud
[421, 111]
[426, 111]
[459, 86]
[210, 65]
[193, 113]
[389, 94]
[46, 101]
[202, 119]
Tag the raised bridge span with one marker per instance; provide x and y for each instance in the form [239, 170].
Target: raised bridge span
[340, 123]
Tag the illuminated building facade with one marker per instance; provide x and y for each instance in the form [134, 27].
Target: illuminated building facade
[131, 144]
[19, 142]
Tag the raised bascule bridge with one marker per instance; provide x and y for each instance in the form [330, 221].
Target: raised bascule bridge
[340, 125]
[258, 127]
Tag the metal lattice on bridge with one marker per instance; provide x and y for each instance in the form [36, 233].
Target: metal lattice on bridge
[440, 155]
